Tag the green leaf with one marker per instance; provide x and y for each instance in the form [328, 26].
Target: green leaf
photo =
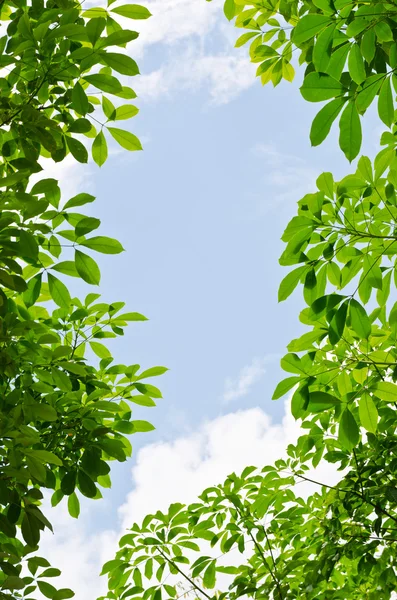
[243, 39]
[349, 433]
[30, 530]
[323, 48]
[86, 225]
[356, 64]
[368, 45]
[318, 87]
[126, 111]
[63, 594]
[338, 60]
[33, 290]
[132, 11]
[299, 402]
[100, 149]
[366, 95]
[209, 577]
[95, 27]
[121, 63]
[36, 469]
[79, 100]
[87, 268]
[66, 267]
[229, 9]
[106, 83]
[45, 457]
[44, 412]
[368, 413]
[320, 401]
[324, 119]
[79, 200]
[292, 364]
[103, 244]
[100, 350]
[86, 486]
[108, 108]
[142, 426]
[385, 390]
[77, 149]
[73, 505]
[359, 319]
[68, 483]
[59, 292]
[337, 324]
[350, 136]
[308, 26]
[290, 282]
[285, 386]
[12, 582]
[47, 589]
[28, 245]
[127, 140]
[385, 103]
[117, 38]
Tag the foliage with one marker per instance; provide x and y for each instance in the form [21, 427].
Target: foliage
[341, 245]
[64, 415]
[349, 50]
[255, 537]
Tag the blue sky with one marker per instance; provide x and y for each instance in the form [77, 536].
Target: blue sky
[200, 213]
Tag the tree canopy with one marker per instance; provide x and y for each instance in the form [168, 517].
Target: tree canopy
[255, 536]
[66, 407]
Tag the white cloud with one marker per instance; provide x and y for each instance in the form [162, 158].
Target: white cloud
[195, 46]
[248, 376]
[175, 20]
[223, 76]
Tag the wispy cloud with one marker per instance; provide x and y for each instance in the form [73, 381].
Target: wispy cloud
[247, 378]
[289, 175]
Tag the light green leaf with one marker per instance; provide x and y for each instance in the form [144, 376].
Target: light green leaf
[308, 26]
[126, 112]
[290, 282]
[127, 140]
[100, 350]
[132, 11]
[121, 63]
[320, 401]
[368, 413]
[59, 292]
[349, 433]
[350, 136]
[318, 87]
[385, 103]
[359, 319]
[74, 505]
[322, 49]
[106, 83]
[366, 95]
[285, 386]
[100, 149]
[385, 390]
[87, 268]
[356, 64]
[324, 119]
[103, 244]
[79, 100]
